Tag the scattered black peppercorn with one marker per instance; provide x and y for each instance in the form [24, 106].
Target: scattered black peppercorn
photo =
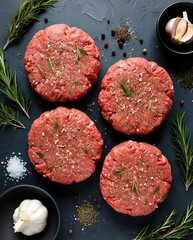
[124, 54]
[103, 36]
[45, 20]
[112, 33]
[113, 52]
[108, 21]
[121, 44]
[106, 44]
[141, 41]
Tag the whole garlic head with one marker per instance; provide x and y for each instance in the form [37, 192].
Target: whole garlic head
[180, 29]
[30, 217]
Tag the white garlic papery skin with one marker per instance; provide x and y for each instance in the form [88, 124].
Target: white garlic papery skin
[30, 217]
[180, 29]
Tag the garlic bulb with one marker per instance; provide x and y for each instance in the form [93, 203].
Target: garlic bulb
[180, 29]
[30, 217]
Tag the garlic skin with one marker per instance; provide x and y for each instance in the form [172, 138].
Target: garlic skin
[30, 217]
[180, 29]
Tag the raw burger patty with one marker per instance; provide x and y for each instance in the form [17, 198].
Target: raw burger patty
[64, 145]
[135, 177]
[62, 63]
[136, 96]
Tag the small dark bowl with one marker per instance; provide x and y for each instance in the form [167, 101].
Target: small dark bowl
[11, 199]
[173, 11]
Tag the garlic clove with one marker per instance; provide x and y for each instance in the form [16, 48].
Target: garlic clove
[18, 226]
[181, 29]
[171, 26]
[188, 36]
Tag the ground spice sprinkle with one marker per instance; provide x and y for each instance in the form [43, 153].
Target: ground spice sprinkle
[186, 78]
[86, 214]
[123, 33]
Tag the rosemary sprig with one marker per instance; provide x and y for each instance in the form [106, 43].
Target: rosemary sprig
[183, 149]
[135, 188]
[41, 72]
[128, 91]
[51, 65]
[9, 117]
[10, 89]
[79, 52]
[171, 228]
[26, 14]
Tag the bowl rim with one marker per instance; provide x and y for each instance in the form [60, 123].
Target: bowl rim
[159, 34]
[40, 190]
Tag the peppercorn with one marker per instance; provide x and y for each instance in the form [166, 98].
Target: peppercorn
[108, 21]
[112, 33]
[124, 54]
[182, 102]
[145, 51]
[113, 52]
[141, 41]
[106, 44]
[45, 20]
[103, 36]
[121, 44]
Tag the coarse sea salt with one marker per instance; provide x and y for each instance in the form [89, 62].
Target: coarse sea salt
[15, 167]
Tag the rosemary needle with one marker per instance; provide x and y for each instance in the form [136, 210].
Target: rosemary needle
[26, 14]
[9, 87]
[171, 228]
[9, 117]
[183, 148]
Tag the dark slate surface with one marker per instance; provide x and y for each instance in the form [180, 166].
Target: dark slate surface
[92, 16]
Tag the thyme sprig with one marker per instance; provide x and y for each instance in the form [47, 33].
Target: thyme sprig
[26, 14]
[172, 228]
[183, 149]
[10, 117]
[10, 89]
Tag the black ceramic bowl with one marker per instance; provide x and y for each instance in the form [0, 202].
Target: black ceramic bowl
[11, 199]
[173, 11]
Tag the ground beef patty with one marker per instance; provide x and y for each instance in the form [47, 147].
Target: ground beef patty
[136, 96]
[135, 177]
[62, 63]
[64, 145]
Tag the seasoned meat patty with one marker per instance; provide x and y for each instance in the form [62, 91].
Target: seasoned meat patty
[64, 145]
[136, 96]
[62, 63]
[135, 178]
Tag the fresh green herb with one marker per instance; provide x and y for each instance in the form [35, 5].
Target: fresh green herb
[40, 155]
[85, 150]
[120, 172]
[79, 53]
[51, 65]
[156, 190]
[10, 89]
[183, 149]
[172, 228]
[55, 125]
[9, 117]
[128, 91]
[41, 72]
[26, 14]
[135, 188]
